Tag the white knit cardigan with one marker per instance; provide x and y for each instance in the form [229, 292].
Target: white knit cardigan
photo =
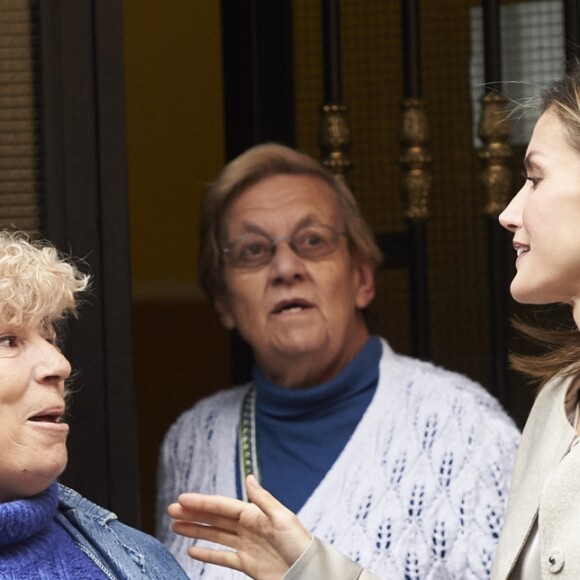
[418, 492]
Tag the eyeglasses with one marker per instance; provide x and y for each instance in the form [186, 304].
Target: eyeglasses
[253, 250]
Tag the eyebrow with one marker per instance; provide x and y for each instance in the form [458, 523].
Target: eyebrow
[530, 162]
[307, 220]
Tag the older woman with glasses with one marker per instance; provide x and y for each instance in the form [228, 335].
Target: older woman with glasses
[401, 465]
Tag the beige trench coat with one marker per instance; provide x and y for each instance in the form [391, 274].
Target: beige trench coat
[323, 562]
[546, 485]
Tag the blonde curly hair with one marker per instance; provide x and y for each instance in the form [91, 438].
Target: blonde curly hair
[38, 285]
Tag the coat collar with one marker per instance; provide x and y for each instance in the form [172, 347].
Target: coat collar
[546, 438]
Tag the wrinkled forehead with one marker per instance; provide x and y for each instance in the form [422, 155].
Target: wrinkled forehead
[282, 201]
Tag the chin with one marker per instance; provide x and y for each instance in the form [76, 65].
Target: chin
[52, 467]
[36, 482]
[293, 351]
[304, 344]
[530, 297]
[524, 294]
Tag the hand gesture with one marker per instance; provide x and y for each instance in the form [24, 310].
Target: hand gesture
[263, 538]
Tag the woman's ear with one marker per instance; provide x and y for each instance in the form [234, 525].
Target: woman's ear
[364, 285]
[224, 312]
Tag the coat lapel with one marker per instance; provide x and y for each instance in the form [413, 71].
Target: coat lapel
[546, 439]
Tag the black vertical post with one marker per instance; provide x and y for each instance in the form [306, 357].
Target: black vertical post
[571, 32]
[85, 212]
[419, 279]
[334, 137]
[332, 54]
[258, 95]
[411, 49]
[497, 236]
[492, 43]
[258, 73]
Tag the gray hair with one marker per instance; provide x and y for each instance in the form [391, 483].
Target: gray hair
[251, 167]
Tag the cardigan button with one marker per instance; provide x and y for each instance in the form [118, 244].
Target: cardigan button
[555, 562]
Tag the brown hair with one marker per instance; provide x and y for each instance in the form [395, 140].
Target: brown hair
[251, 167]
[562, 352]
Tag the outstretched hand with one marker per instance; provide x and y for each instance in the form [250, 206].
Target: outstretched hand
[263, 538]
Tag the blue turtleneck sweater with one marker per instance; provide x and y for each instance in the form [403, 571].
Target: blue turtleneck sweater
[33, 546]
[301, 432]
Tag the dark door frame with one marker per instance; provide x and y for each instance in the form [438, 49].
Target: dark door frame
[85, 212]
[258, 94]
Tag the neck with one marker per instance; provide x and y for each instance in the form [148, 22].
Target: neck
[304, 371]
[23, 518]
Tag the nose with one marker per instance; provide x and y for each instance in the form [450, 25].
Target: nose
[52, 366]
[286, 265]
[511, 217]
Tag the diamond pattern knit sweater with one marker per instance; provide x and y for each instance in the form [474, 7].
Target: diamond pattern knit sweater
[418, 492]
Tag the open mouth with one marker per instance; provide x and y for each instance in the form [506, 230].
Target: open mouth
[291, 307]
[45, 419]
[48, 417]
[521, 249]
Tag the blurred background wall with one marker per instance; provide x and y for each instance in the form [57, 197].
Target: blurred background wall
[175, 144]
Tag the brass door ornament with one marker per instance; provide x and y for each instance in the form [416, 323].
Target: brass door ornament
[334, 139]
[415, 159]
[494, 131]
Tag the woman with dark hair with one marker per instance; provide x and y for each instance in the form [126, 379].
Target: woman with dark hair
[540, 535]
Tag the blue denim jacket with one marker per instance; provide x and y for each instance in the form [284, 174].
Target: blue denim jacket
[119, 551]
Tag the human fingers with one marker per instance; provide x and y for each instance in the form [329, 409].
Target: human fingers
[214, 504]
[178, 512]
[288, 537]
[225, 558]
[263, 499]
[202, 532]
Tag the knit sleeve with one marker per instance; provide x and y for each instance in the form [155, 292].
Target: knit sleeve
[468, 443]
[171, 475]
[197, 455]
[490, 442]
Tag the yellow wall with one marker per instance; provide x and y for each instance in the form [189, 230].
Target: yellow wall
[174, 108]
[175, 135]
